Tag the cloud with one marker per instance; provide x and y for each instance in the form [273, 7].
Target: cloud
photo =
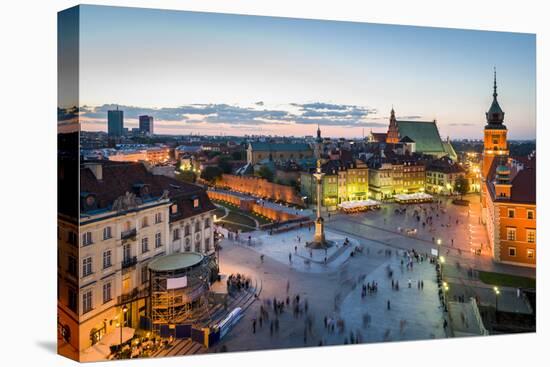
[326, 114]
[461, 124]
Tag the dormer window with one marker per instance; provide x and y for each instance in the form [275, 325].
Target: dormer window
[196, 203]
[174, 209]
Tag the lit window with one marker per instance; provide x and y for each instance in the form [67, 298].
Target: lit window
[530, 253]
[511, 251]
[531, 236]
[511, 234]
[174, 209]
[195, 203]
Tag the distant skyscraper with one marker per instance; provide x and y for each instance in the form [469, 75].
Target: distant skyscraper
[115, 122]
[146, 124]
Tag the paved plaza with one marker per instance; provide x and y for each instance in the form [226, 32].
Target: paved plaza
[334, 291]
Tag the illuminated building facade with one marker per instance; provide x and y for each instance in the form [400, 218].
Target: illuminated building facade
[128, 217]
[508, 194]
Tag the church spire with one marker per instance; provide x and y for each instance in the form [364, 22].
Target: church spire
[495, 94]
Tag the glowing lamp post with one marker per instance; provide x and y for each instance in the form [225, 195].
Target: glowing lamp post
[497, 293]
[124, 310]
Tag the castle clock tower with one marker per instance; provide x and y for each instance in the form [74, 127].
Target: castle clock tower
[495, 143]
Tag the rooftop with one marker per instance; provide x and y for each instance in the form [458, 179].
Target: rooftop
[177, 261]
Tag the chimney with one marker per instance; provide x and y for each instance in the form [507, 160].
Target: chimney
[96, 168]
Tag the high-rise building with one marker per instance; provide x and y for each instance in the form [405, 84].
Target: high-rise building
[146, 124]
[115, 122]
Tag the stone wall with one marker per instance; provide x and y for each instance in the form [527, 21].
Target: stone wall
[251, 206]
[261, 188]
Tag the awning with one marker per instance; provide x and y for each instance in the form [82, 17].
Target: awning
[357, 204]
[419, 196]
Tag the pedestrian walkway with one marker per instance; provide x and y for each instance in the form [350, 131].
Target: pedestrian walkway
[414, 313]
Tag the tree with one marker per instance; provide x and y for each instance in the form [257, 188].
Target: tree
[237, 155]
[186, 176]
[462, 186]
[266, 173]
[224, 164]
[211, 174]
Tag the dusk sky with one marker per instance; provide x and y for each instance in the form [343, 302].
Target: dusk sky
[208, 74]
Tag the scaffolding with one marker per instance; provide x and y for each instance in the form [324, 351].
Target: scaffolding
[178, 304]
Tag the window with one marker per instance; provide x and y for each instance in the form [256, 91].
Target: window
[195, 203]
[87, 301]
[511, 213]
[197, 246]
[107, 292]
[86, 266]
[144, 245]
[158, 240]
[107, 233]
[530, 214]
[126, 252]
[72, 238]
[174, 209]
[511, 234]
[207, 245]
[207, 223]
[176, 234]
[144, 275]
[197, 226]
[72, 300]
[86, 238]
[511, 251]
[530, 253]
[144, 222]
[187, 230]
[71, 266]
[531, 236]
[107, 259]
[158, 218]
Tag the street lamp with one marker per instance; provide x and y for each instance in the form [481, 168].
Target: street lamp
[124, 310]
[438, 246]
[497, 292]
[445, 290]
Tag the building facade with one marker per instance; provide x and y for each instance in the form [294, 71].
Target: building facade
[508, 195]
[277, 152]
[343, 180]
[127, 218]
[442, 175]
[115, 123]
[146, 125]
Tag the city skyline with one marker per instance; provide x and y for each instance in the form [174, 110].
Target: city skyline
[204, 73]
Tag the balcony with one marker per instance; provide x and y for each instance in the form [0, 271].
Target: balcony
[129, 262]
[134, 295]
[129, 234]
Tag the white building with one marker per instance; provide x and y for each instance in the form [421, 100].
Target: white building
[128, 216]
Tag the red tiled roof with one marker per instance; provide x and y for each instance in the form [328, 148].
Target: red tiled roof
[121, 177]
